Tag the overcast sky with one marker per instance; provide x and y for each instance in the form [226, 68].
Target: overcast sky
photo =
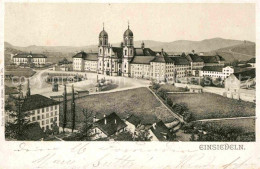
[71, 24]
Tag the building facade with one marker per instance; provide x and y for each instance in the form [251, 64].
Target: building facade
[217, 71]
[29, 58]
[140, 62]
[41, 109]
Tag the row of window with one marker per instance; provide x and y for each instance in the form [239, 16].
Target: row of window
[33, 118]
[51, 108]
[47, 121]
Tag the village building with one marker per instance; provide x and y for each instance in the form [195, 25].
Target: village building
[41, 109]
[85, 62]
[107, 126]
[132, 123]
[235, 82]
[159, 132]
[217, 72]
[141, 62]
[29, 59]
[216, 60]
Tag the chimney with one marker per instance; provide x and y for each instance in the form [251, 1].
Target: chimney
[105, 121]
[115, 121]
[154, 125]
[94, 119]
[162, 52]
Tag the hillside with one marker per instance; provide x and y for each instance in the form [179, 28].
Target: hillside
[241, 52]
[175, 46]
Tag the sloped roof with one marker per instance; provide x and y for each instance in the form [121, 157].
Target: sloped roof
[245, 75]
[161, 131]
[213, 68]
[142, 59]
[180, 60]
[212, 59]
[87, 56]
[118, 51]
[194, 58]
[252, 60]
[113, 124]
[133, 120]
[27, 55]
[36, 102]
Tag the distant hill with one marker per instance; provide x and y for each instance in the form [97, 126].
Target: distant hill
[175, 46]
[241, 52]
[225, 47]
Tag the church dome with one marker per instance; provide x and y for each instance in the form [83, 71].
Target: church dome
[103, 33]
[128, 32]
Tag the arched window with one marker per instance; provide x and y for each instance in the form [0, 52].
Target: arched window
[100, 51]
[125, 52]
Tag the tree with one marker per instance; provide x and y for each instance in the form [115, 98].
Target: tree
[64, 108]
[142, 135]
[124, 136]
[73, 114]
[88, 121]
[155, 86]
[18, 127]
[169, 102]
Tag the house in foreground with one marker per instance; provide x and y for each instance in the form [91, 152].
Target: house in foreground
[41, 109]
[107, 126]
[235, 82]
[132, 123]
[160, 132]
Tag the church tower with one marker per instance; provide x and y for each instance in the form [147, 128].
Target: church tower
[102, 47]
[128, 51]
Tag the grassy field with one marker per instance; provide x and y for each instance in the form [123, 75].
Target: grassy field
[208, 106]
[26, 72]
[140, 102]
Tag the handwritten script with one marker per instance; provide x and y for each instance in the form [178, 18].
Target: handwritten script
[124, 155]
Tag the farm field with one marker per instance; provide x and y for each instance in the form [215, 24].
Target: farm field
[140, 102]
[208, 106]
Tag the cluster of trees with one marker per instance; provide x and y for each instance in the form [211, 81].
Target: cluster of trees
[179, 108]
[211, 132]
[140, 135]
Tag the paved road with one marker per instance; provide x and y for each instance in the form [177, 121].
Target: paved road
[39, 86]
[174, 114]
[232, 118]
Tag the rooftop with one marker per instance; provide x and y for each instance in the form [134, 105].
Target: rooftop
[161, 132]
[112, 125]
[133, 120]
[213, 68]
[36, 102]
[245, 75]
[29, 55]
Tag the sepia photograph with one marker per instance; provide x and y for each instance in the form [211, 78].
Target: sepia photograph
[159, 72]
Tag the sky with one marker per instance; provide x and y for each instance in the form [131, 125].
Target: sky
[79, 24]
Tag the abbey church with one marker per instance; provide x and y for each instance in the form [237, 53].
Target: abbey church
[139, 62]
